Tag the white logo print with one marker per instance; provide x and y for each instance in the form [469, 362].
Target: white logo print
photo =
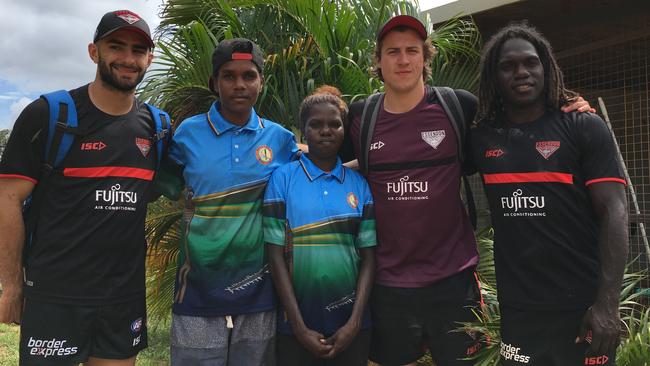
[433, 138]
[49, 347]
[377, 145]
[405, 189]
[345, 300]
[510, 352]
[249, 280]
[519, 202]
[109, 199]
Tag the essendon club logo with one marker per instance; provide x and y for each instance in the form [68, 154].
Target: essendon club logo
[493, 153]
[144, 145]
[433, 138]
[128, 16]
[547, 148]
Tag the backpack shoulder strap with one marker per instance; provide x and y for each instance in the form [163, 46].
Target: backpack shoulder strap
[162, 135]
[63, 115]
[451, 105]
[367, 128]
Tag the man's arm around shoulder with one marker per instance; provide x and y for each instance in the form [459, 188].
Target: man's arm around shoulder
[13, 192]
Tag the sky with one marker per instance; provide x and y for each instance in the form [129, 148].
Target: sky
[44, 45]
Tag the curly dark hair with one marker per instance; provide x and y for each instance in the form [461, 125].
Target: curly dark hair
[323, 94]
[490, 101]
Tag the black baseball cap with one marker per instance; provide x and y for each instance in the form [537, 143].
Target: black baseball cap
[403, 21]
[122, 19]
[237, 49]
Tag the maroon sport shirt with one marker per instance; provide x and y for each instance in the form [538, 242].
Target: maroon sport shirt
[423, 231]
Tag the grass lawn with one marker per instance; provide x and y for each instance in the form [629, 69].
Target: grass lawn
[157, 354]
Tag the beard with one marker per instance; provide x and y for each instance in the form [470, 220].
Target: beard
[110, 79]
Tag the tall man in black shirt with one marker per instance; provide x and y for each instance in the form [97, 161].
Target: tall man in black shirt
[83, 276]
[558, 207]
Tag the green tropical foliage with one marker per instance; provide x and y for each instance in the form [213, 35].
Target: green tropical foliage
[4, 137]
[307, 43]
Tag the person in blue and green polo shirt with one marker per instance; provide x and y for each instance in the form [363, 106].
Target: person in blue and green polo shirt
[224, 310]
[319, 228]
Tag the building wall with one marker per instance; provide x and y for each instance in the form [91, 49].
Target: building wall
[620, 75]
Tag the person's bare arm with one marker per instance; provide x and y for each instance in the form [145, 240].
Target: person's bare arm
[13, 193]
[602, 318]
[313, 341]
[579, 104]
[346, 334]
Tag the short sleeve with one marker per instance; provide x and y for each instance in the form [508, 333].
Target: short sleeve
[274, 209]
[599, 158]
[293, 147]
[23, 155]
[367, 235]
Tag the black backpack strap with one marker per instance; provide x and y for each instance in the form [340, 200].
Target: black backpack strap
[451, 105]
[367, 128]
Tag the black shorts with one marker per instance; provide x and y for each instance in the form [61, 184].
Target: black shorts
[291, 353]
[407, 320]
[56, 334]
[545, 338]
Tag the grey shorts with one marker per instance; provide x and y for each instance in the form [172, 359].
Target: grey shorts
[202, 341]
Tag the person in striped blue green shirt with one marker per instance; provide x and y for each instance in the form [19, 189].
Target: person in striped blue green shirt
[319, 228]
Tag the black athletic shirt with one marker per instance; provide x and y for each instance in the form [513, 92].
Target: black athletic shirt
[89, 246]
[536, 178]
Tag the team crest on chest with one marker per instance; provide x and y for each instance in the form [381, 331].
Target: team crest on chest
[264, 154]
[144, 145]
[353, 201]
[433, 138]
[547, 148]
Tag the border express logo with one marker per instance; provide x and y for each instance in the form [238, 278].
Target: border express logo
[264, 154]
[49, 347]
[353, 201]
[547, 148]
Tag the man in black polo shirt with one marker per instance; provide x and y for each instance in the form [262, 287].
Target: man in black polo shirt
[83, 276]
[558, 207]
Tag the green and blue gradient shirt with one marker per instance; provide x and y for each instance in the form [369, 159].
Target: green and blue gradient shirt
[322, 219]
[222, 269]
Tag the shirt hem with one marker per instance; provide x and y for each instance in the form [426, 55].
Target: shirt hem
[84, 301]
[215, 313]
